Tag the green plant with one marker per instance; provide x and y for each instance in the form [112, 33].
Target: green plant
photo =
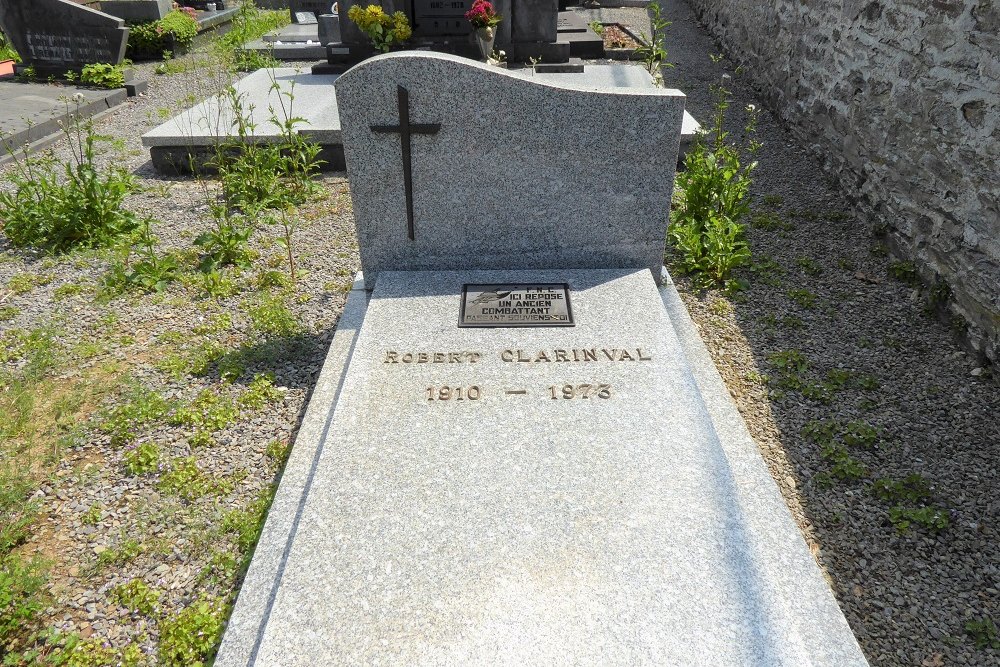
[185, 479]
[905, 272]
[271, 318]
[81, 210]
[714, 185]
[141, 407]
[7, 51]
[652, 50]
[143, 459]
[104, 75]
[803, 297]
[384, 30]
[774, 201]
[809, 266]
[7, 313]
[248, 24]
[209, 410]
[190, 637]
[844, 465]
[21, 584]
[137, 597]
[932, 518]
[92, 516]
[226, 244]
[983, 633]
[259, 393]
[596, 27]
[124, 552]
[150, 40]
[151, 273]
[913, 489]
[277, 451]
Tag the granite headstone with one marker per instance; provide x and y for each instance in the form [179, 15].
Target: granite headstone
[54, 36]
[501, 183]
[137, 11]
[300, 8]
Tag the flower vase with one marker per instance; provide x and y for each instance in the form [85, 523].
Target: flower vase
[485, 38]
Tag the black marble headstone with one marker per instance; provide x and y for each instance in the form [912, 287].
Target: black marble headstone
[57, 35]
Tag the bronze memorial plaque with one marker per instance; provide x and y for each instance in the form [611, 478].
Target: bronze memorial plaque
[516, 305]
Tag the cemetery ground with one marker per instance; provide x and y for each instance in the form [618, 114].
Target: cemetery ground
[143, 431]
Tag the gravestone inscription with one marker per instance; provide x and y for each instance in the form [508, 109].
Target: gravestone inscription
[54, 36]
[542, 495]
[302, 9]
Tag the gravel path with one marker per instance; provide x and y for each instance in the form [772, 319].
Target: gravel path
[907, 596]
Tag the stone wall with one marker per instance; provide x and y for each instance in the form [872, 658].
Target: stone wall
[901, 98]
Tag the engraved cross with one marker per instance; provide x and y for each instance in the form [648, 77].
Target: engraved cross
[406, 129]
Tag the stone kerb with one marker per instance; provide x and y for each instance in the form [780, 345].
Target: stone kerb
[56, 35]
[505, 182]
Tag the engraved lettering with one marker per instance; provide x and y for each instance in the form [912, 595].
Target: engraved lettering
[473, 357]
[560, 355]
[391, 357]
[612, 354]
[641, 356]
[521, 357]
[575, 357]
[454, 358]
[439, 357]
[407, 358]
[589, 355]
[507, 355]
[541, 356]
[422, 357]
[625, 356]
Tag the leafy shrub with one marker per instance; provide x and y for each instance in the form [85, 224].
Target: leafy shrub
[104, 75]
[250, 23]
[174, 32]
[83, 209]
[21, 583]
[713, 198]
[382, 29]
[143, 459]
[7, 51]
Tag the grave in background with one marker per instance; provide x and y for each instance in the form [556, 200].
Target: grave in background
[55, 36]
[194, 133]
[137, 11]
[578, 494]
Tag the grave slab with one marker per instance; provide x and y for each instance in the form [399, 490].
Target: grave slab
[637, 525]
[208, 123]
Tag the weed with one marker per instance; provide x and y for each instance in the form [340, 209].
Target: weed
[932, 518]
[246, 524]
[142, 460]
[271, 318]
[983, 633]
[183, 478]
[21, 584]
[267, 279]
[809, 266]
[652, 50]
[792, 322]
[142, 407]
[770, 221]
[22, 283]
[7, 313]
[226, 245]
[81, 210]
[774, 201]
[104, 75]
[151, 273]
[259, 393]
[803, 298]
[844, 465]
[125, 552]
[278, 451]
[214, 325]
[905, 272]
[92, 516]
[209, 410]
[913, 489]
[713, 197]
[190, 637]
[846, 264]
[789, 361]
[597, 27]
[860, 434]
[217, 285]
[137, 597]
[68, 290]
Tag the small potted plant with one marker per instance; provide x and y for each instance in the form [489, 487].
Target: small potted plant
[484, 18]
[384, 30]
